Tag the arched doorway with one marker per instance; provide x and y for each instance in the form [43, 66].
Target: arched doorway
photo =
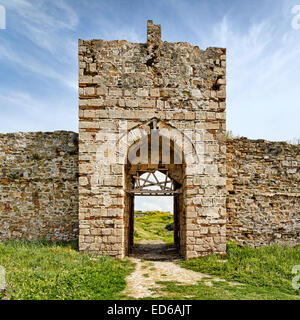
[155, 167]
[108, 186]
[123, 91]
[156, 182]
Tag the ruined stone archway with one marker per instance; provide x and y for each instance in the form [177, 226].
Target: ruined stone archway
[158, 182]
[165, 156]
[128, 89]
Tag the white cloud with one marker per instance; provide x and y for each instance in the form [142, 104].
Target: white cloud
[154, 204]
[262, 79]
[53, 52]
[20, 111]
[28, 62]
[262, 55]
[262, 63]
[56, 16]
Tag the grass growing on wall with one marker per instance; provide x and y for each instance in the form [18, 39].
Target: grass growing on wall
[57, 271]
[151, 225]
[231, 135]
[295, 141]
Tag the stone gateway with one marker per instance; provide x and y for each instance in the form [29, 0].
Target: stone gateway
[152, 122]
[155, 106]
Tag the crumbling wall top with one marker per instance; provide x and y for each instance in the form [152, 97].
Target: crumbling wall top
[153, 33]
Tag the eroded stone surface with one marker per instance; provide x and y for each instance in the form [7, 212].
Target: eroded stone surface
[39, 198]
[39, 186]
[263, 192]
[173, 85]
[168, 85]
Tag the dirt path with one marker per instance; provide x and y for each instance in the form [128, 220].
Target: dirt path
[154, 263]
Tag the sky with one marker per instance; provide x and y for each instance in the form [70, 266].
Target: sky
[154, 203]
[38, 56]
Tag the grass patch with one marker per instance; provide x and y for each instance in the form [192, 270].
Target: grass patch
[220, 291]
[295, 141]
[263, 273]
[151, 225]
[56, 271]
[231, 135]
[266, 273]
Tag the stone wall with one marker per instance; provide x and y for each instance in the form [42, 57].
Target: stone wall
[39, 186]
[127, 90]
[134, 85]
[263, 192]
[39, 197]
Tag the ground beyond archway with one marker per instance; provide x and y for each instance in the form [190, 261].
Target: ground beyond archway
[148, 180]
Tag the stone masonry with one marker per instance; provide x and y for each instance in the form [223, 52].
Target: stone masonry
[39, 186]
[176, 85]
[263, 192]
[39, 180]
[64, 186]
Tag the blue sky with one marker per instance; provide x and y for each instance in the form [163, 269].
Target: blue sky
[38, 57]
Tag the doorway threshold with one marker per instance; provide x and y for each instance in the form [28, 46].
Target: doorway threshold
[155, 250]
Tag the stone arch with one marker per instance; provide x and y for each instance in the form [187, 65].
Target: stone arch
[136, 95]
[180, 139]
[175, 170]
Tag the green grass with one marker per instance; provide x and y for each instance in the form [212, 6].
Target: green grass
[265, 273]
[231, 135]
[42, 271]
[150, 225]
[46, 270]
[221, 291]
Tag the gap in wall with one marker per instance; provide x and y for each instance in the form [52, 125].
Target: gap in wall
[154, 224]
[153, 217]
